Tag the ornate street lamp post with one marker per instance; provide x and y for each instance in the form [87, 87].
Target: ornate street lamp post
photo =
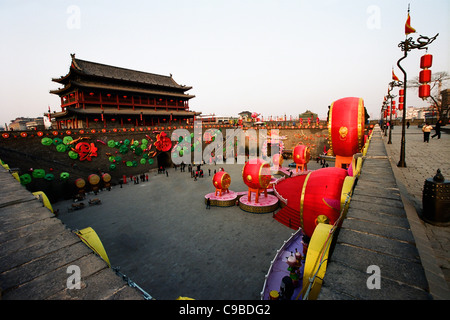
[406, 46]
[392, 84]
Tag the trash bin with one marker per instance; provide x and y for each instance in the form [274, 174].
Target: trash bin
[436, 200]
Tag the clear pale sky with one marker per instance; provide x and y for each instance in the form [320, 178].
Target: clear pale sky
[266, 56]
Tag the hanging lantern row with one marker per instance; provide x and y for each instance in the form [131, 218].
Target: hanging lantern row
[425, 75]
[401, 99]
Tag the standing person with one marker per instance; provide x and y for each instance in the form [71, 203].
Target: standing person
[407, 125]
[208, 204]
[437, 128]
[426, 129]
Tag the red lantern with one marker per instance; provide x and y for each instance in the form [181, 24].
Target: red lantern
[426, 61]
[424, 91]
[401, 99]
[425, 76]
[301, 155]
[401, 92]
[277, 160]
[346, 128]
[400, 106]
[221, 182]
[256, 175]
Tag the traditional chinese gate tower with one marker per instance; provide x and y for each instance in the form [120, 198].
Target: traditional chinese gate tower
[96, 95]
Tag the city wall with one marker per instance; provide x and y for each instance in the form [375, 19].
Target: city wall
[25, 152]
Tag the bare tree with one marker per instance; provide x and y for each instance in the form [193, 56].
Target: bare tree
[438, 81]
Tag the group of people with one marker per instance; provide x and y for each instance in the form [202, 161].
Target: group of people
[426, 129]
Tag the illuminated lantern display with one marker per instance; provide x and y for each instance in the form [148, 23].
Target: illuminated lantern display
[301, 155]
[256, 175]
[425, 75]
[221, 182]
[321, 198]
[346, 128]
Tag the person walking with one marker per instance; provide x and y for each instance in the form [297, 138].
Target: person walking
[437, 128]
[426, 129]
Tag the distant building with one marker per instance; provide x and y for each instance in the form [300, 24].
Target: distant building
[96, 95]
[245, 115]
[22, 124]
[308, 114]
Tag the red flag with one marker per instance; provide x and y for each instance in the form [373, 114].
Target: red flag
[408, 28]
[394, 77]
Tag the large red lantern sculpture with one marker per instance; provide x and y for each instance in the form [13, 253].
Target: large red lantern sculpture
[301, 155]
[346, 128]
[221, 182]
[256, 175]
[425, 75]
[321, 198]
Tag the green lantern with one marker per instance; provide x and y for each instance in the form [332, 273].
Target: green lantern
[138, 151]
[111, 143]
[150, 161]
[25, 178]
[112, 167]
[61, 147]
[143, 161]
[49, 177]
[64, 176]
[73, 155]
[123, 149]
[46, 141]
[67, 139]
[38, 173]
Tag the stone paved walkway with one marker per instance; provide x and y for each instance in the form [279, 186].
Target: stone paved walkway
[422, 161]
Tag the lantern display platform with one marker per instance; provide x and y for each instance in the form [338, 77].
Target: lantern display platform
[280, 170]
[227, 199]
[265, 204]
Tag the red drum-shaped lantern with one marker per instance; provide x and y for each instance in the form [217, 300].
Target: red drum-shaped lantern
[256, 174]
[401, 99]
[221, 182]
[321, 197]
[346, 126]
[425, 76]
[400, 106]
[424, 91]
[277, 160]
[301, 154]
[426, 61]
[401, 92]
